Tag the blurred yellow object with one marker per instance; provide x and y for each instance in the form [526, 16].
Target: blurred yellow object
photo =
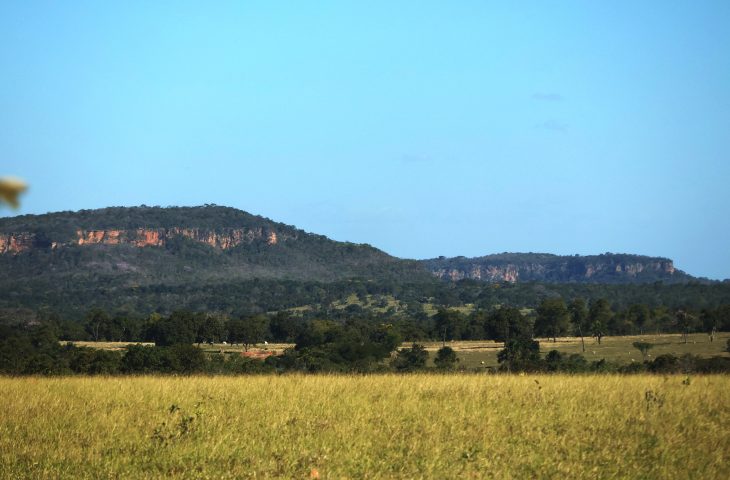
[10, 188]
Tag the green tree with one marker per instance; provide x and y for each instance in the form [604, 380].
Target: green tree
[96, 323]
[449, 324]
[410, 359]
[598, 330]
[181, 327]
[643, 347]
[639, 315]
[446, 358]
[504, 323]
[686, 323]
[248, 331]
[520, 353]
[579, 318]
[212, 329]
[284, 328]
[599, 316]
[553, 318]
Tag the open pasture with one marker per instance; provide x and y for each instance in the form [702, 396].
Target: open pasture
[618, 349]
[378, 426]
[472, 353]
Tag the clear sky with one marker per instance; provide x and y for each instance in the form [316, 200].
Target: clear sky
[424, 128]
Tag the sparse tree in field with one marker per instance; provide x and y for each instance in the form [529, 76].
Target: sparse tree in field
[284, 328]
[181, 327]
[248, 330]
[710, 323]
[598, 331]
[96, 323]
[553, 318]
[446, 358]
[599, 316]
[449, 324]
[579, 317]
[639, 315]
[212, 329]
[520, 350]
[643, 347]
[409, 359]
[685, 322]
[504, 323]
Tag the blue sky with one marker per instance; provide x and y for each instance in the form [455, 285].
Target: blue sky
[422, 128]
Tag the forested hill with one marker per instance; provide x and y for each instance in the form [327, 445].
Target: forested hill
[180, 245]
[150, 259]
[544, 267]
[188, 245]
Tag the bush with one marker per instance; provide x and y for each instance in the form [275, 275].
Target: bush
[410, 359]
[446, 358]
[666, 363]
[142, 359]
[91, 361]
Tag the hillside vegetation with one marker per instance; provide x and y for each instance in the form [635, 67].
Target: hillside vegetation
[140, 260]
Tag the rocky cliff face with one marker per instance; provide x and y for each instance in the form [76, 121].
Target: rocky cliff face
[489, 273]
[543, 267]
[14, 243]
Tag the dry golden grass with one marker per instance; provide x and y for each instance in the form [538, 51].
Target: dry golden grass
[379, 426]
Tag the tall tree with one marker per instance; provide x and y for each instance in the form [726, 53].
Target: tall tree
[640, 315]
[599, 316]
[96, 323]
[552, 319]
[248, 330]
[504, 323]
[212, 329]
[181, 327]
[579, 318]
[449, 324]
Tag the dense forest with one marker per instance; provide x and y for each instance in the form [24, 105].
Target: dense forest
[389, 299]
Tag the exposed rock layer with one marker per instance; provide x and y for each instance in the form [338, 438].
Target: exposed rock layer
[14, 243]
[543, 267]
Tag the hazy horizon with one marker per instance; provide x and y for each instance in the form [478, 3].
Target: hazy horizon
[421, 128]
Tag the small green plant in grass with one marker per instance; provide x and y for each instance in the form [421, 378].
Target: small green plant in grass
[643, 347]
[177, 426]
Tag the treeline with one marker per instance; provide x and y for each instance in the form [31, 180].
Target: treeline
[553, 317]
[36, 288]
[320, 346]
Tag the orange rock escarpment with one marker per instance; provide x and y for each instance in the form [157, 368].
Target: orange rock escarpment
[145, 237]
[14, 243]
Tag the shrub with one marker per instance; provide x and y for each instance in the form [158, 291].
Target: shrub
[446, 358]
[410, 359]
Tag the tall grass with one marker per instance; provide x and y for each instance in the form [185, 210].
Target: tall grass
[380, 426]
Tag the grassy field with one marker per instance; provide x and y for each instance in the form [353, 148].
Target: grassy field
[614, 349]
[472, 353]
[381, 426]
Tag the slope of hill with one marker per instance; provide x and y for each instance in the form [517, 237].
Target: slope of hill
[544, 267]
[145, 259]
[153, 245]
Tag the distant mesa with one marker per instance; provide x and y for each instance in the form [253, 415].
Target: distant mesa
[299, 255]
[543, 267]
